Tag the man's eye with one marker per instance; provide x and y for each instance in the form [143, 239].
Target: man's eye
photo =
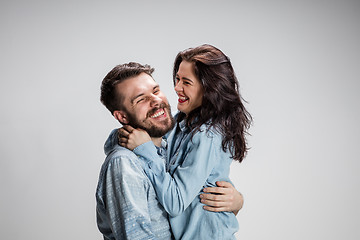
[156, 91]
[139, 101]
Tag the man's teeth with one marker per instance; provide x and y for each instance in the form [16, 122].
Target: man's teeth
[161, 112]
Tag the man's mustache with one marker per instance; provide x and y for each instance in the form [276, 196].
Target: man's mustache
[153, 111]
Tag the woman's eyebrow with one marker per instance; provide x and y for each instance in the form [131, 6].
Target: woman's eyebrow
[188, 79]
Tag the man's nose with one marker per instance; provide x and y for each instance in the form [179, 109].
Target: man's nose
[155, 100]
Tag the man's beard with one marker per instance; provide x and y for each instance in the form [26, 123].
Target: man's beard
[151, 129]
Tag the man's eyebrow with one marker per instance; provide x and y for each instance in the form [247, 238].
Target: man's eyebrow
[141, 94]
[133, 99]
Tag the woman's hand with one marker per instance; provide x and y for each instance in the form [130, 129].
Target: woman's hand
[130, 137]
[224, 198]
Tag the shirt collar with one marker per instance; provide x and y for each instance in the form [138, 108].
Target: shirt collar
[182, 125]
[162, 149]
[164, 143]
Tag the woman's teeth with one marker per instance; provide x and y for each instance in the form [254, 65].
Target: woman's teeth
[183, 99]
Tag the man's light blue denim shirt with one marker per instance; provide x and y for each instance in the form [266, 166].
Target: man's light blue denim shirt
[127, 207]
[193, 163]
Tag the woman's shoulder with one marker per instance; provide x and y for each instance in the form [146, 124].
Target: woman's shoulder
[208, 131]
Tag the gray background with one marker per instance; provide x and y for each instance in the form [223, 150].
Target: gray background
[298, 65]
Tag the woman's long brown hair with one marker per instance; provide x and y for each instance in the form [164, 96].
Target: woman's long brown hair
[222, 107]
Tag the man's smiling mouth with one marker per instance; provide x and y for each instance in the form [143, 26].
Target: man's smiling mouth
[158, 113]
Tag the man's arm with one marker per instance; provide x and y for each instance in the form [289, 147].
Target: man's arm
[224, 198]
[126, 201]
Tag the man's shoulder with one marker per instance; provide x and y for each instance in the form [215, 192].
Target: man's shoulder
[120, 152]
[123, 157]
[120, 164]
[119, 160]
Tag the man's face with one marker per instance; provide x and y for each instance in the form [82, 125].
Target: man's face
[146, 107]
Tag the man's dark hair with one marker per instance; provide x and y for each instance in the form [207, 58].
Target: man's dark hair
[109, 96]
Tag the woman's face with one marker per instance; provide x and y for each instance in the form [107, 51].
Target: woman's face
[188, 88]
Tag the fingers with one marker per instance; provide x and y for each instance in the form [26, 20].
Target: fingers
[222, 198]
[123, 136]
[214, 203]
[214, 197]
[215, 190]
[123, 133]
[123, 140]
[128, 128]
[223, 188]
[224, 184]
[215, 206]
[214, 209]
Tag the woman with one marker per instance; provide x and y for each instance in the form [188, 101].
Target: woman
[209, 134]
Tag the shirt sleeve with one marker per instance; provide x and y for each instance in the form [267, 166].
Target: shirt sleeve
[126, 201]
[176, 192]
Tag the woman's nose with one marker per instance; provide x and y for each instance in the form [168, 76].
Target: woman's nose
[178, 87]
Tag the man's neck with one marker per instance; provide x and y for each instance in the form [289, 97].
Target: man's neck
[156, 141]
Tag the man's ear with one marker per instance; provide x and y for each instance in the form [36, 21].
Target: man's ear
[121, 116]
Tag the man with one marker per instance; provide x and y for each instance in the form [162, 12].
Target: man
[127, 207]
